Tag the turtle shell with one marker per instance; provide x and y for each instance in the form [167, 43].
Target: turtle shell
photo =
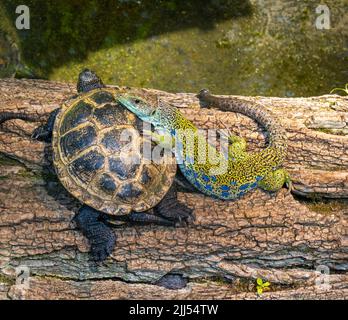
[93, 162]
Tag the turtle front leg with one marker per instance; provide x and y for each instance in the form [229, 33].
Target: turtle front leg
[44, 132]
[170, 208]
[99, 235]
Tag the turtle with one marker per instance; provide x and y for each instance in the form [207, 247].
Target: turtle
[85, 135]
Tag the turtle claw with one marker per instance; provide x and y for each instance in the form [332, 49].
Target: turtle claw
[100, 255]
[173, 210]
[103, 247]
[185, 216]
[177, 212]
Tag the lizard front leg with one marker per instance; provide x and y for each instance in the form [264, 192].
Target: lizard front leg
[236, 146]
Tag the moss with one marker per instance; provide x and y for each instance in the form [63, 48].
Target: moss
[331, 131]
[7, 280]
[241, 285]
[24, 172]
[317, 203]
[37, 175]
[7, 161]
[215, 279]
[328, 206]
[223, 43]
[244, 285]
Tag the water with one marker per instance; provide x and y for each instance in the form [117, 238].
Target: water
[255, 47]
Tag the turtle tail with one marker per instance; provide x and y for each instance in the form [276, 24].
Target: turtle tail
[5, 116]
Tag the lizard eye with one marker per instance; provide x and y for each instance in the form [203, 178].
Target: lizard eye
[137, 101]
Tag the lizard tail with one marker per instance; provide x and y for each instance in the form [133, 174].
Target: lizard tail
[277, 133]
[5, 116]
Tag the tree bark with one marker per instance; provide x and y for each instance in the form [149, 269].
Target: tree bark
[286, 239]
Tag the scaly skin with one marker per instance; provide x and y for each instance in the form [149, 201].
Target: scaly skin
[213, 173]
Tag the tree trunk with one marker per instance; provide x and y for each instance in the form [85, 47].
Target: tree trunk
[289, 240]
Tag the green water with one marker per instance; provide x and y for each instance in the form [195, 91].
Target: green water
[255, 47]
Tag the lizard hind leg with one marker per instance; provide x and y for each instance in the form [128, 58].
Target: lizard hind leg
[275, 180]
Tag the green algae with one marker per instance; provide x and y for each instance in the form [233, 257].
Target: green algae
[336, 132]
[7, 280]
[5, 160]
[328, 206]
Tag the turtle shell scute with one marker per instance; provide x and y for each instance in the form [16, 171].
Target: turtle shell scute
[78, 114]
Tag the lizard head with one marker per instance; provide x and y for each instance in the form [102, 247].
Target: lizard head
[161, 116]
[138, 106]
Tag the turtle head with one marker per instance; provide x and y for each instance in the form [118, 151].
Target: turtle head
[88, 80]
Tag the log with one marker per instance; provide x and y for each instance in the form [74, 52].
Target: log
[298, 242]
